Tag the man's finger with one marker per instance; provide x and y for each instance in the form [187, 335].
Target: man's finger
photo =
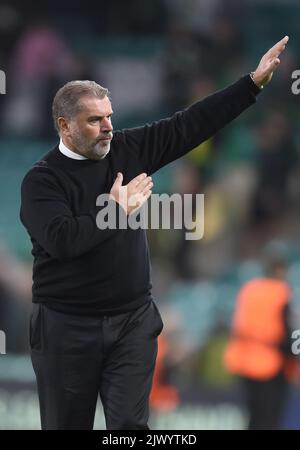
[146, 189]
[136, 180]
[279, 47]
[119, 179]
[143, 183]
[146, 196]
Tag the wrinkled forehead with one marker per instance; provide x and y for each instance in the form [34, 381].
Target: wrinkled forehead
[93, 106]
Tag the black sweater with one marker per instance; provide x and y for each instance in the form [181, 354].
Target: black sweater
[79, 268]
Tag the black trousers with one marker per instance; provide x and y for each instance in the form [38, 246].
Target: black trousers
[266, 400]
[76, 358]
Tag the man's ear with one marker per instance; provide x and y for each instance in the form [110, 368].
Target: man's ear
[64, 126]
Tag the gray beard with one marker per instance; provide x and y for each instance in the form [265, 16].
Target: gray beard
[96, 151]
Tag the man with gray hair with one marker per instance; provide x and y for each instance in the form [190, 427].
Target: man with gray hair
[67, 105]
[94, 323]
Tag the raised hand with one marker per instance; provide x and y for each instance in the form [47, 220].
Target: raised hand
[268, 63]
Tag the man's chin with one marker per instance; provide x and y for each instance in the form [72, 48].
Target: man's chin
[100, 154]
[105, 152]
[104, 155]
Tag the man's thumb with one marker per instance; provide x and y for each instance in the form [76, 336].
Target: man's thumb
[275, 63]
[119, 179]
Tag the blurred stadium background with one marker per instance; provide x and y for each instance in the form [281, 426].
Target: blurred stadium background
[158, 57]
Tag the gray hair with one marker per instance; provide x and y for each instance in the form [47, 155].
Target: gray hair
[66, 102]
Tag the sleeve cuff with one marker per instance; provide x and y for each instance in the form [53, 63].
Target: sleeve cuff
[254, 88]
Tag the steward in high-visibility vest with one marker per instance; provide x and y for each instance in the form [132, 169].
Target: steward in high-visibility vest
[255, 348]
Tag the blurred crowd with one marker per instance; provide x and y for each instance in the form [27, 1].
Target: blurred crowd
[156, 58]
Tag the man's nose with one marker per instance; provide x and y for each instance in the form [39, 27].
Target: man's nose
[106, 124]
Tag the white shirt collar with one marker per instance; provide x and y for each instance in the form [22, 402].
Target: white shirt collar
[69, 153]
